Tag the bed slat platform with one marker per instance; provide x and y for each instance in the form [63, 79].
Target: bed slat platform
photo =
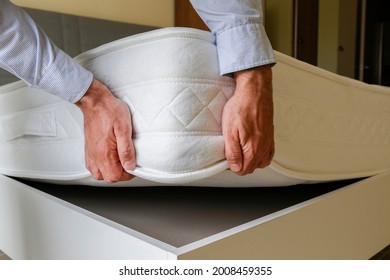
[344, 220]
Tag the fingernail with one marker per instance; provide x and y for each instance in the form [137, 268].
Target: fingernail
[235, 167]
[129, 165]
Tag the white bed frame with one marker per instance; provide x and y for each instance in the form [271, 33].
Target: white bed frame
[350, 222]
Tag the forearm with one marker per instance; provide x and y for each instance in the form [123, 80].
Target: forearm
[28, 53]
[257, 81]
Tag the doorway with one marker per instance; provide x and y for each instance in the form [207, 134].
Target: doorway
[306, 30]
[376, 67]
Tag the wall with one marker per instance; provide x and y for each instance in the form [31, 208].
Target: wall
[279, 24]
[147, 12]
[347, 38]
[337, 36]
[328, 35]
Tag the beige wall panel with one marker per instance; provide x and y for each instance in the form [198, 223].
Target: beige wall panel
[328, 35]
[279, 24]
[148, 12]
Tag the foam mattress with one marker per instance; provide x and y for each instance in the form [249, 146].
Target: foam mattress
[327, 127]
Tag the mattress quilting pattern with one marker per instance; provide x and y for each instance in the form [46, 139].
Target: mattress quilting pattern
[327, 127]
[331, 127]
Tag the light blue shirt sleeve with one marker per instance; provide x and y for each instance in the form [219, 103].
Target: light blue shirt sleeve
[28, 53]
[242, 42]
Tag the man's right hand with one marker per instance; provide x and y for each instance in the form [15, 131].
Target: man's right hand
[109, 149]
[247, 121]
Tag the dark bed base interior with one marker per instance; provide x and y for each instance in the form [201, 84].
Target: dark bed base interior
[182, 215]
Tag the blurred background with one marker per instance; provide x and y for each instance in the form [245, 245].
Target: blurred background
[347, 37]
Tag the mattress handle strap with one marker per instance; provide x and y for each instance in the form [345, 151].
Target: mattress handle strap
[34, 122]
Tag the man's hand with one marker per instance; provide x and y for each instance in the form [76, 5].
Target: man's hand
[109, 149]
[247, 121]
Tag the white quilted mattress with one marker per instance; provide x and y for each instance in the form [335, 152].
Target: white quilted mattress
[327, 127]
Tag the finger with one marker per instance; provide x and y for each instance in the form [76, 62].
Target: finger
[250, 169]
[250, 162]
[126, 176]
[233, 154]
[105, 164]
[93, 168]
[264, 162]
[125, 145]
[112, 170]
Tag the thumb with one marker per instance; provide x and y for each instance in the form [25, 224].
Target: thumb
[126, 152]
[125, 145]
[233, 154]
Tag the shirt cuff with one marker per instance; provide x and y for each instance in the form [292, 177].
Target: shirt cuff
[65, 78]
[243, 47]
